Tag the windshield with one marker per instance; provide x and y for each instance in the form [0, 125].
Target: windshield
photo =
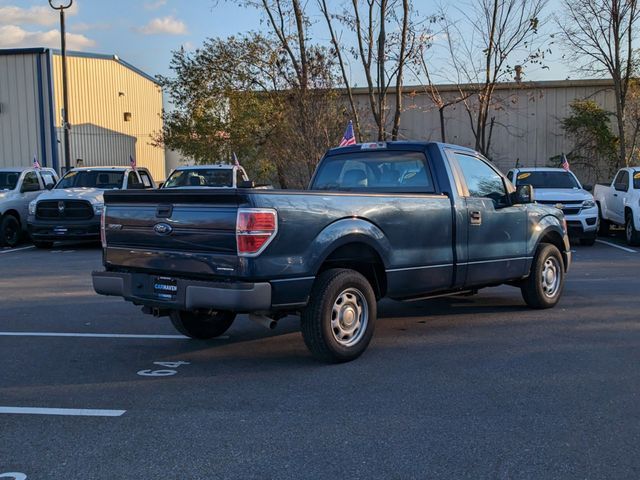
[205, 177]
[378, 171]
[547, 179]
[102, 179]
[9, 180]
[636, 180]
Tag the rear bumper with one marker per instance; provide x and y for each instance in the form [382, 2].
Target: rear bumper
[64, 230]
[140, 288]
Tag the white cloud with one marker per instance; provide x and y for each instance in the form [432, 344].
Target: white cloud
[15, 36]
[188, 46]
[155, 5]
[167, 25]
[36, 15]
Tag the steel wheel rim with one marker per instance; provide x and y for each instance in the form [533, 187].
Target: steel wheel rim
[349, 317]
[551, 274]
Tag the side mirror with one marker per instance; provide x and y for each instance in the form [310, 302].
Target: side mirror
[523, 194]
[588, 188]
[30, 187]
[620, 187]
[49, 186]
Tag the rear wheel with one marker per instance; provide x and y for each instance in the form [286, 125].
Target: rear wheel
[338, 323]
[543, 287]
[604, 227]
[10, 231]
[202, 326]
[632, 235]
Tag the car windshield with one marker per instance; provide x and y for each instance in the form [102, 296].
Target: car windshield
[9, 180]
[547, 179]
[636, 180]
[378, 171]
[102, 179]
[201, 177]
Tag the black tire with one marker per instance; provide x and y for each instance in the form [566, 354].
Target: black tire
[42, 244]
[535, 289]
[631, 234]
[202, 326]
[605, 225]
[352, 293]
[588, 241]
[10, 231]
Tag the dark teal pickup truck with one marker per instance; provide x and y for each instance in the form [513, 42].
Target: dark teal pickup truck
[405, 220]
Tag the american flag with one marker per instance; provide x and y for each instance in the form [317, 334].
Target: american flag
[36, 164]
[349, 137]
[235, 160]
[565, 162]
[132, 161]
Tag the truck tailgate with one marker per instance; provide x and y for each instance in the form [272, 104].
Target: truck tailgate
[191, 231]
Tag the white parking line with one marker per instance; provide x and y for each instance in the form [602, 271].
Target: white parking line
[630, 250]
[96, 335]
[88, 335]
[11, 250]
[73, 412]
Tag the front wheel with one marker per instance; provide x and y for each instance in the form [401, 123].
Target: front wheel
[543, 287]
[633, 236]
[339, 321]
[9, 231]
[201, 326]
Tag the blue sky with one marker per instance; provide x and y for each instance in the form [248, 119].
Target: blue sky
[144, 32]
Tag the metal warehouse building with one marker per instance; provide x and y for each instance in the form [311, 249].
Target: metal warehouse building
[114, 110]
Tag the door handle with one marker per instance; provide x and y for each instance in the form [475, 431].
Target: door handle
[475, 218]
[615, 194]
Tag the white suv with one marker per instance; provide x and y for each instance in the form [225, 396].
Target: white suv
[561, 188]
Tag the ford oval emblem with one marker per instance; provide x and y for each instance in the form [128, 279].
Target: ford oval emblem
[162, 228]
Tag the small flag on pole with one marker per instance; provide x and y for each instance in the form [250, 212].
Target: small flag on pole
[36, 164]
[235, 160]
[132, 161]
[349, 137]
[565, 162]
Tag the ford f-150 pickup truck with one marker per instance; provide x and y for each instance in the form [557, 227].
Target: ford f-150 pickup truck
[619, 203]
[405, 220]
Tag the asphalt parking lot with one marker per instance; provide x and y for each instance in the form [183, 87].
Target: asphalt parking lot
[466, 387]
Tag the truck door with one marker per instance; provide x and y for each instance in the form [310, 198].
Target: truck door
[615, 204]
[496, 230]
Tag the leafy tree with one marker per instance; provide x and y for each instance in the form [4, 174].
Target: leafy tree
[595, 146]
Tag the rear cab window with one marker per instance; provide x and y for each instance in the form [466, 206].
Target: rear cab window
[375, 171]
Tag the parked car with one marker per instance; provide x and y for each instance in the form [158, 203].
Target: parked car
[561, 188]
[18, 187]
[619, 203]
[71, 210]
[405, 220]
[207, 176]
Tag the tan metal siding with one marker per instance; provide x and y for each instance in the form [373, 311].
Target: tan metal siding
[99, 133]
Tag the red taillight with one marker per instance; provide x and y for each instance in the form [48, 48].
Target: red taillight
[255, 228]
[103, 233]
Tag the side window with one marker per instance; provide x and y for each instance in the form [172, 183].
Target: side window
[133, 181]
[47, 178]
[31, 178]
[482, 180]
[624, 179]
[510, 176]
[146, 180]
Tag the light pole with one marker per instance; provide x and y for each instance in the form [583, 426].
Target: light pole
[62, 6]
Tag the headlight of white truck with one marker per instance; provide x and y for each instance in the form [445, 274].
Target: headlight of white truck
[588, 204]
[97, 208]
[32, 207]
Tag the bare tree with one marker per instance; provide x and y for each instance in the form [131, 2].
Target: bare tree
[489, 35]
[601, 35]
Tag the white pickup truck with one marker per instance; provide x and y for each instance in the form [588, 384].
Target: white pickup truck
[562, 189]
[18, 187]
[619, 203]
[207, 176]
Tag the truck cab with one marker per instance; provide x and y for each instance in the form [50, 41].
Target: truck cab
[72, 209]
[560, 188]
[207, 176]
[619, 203]
[18, 188]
